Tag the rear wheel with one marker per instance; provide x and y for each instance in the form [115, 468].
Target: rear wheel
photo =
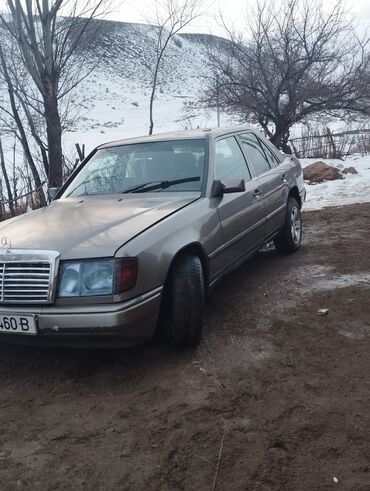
[182, 310]
[289, 239]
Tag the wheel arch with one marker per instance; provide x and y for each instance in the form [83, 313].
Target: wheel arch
[294, 193]
[196, 249]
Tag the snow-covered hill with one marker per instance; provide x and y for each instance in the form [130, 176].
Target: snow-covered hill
[114, 98]
[113, 101]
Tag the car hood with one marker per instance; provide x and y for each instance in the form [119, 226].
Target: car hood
[93, 226]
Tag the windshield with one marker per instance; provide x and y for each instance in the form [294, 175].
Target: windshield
[133, 168]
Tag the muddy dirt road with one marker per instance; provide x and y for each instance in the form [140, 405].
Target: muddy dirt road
[275, 397]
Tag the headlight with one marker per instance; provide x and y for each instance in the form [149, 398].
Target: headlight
[99, 277]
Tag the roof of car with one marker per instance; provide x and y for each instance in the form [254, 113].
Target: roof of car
[179, 135]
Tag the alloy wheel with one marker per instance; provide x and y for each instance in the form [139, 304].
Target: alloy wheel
[295, 225]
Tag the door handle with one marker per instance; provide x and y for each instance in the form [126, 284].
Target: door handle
[257, 194]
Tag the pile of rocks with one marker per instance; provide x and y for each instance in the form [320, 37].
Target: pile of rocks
[320, 172]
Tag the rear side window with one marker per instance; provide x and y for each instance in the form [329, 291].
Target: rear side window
[229, 161]
[272, 159]
[254, 152]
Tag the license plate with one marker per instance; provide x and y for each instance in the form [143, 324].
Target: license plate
[17, 324]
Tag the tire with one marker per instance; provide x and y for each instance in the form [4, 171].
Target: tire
[183, 307]
[290, 236]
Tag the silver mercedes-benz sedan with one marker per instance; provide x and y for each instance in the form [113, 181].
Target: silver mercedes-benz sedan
[140, 233]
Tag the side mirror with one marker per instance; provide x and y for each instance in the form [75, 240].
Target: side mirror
[227, 187]
[53, 192]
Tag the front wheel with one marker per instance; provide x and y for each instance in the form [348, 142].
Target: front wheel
[290, 236]
[184, 302]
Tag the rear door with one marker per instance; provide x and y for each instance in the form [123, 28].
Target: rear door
[242, 214]
[272, 177]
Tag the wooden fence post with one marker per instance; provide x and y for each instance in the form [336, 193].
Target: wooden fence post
[332, 144]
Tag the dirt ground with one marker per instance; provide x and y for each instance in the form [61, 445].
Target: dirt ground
[275, 397]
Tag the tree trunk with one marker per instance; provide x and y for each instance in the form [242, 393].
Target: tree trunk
[2, 205]
[152, 95]
[6, 179]
[36, 136]
[54, 137]
[281, 137]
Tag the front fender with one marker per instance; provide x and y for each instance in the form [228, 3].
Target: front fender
[156, 247]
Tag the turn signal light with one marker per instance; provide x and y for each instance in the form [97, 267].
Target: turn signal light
[126, 273]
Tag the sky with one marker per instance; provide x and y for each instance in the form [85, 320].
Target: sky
[233, 11]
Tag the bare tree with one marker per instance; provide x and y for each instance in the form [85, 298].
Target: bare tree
[48, 34]
[298, 60]
[20, 132]
[171, 17]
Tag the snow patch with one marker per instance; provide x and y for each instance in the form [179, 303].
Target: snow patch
[341, 281]
[354, 188]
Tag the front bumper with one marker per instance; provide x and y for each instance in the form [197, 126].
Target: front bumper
[105, 325]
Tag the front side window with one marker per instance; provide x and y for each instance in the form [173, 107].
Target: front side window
[254, 152]
[229, 161]
[137, 167]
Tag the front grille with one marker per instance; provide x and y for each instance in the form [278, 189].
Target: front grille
[26, 278]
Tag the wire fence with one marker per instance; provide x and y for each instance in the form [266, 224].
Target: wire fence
[329, 145]
[20, 204]
[25, 195]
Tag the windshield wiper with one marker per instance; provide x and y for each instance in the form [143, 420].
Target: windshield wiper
[152, 186]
